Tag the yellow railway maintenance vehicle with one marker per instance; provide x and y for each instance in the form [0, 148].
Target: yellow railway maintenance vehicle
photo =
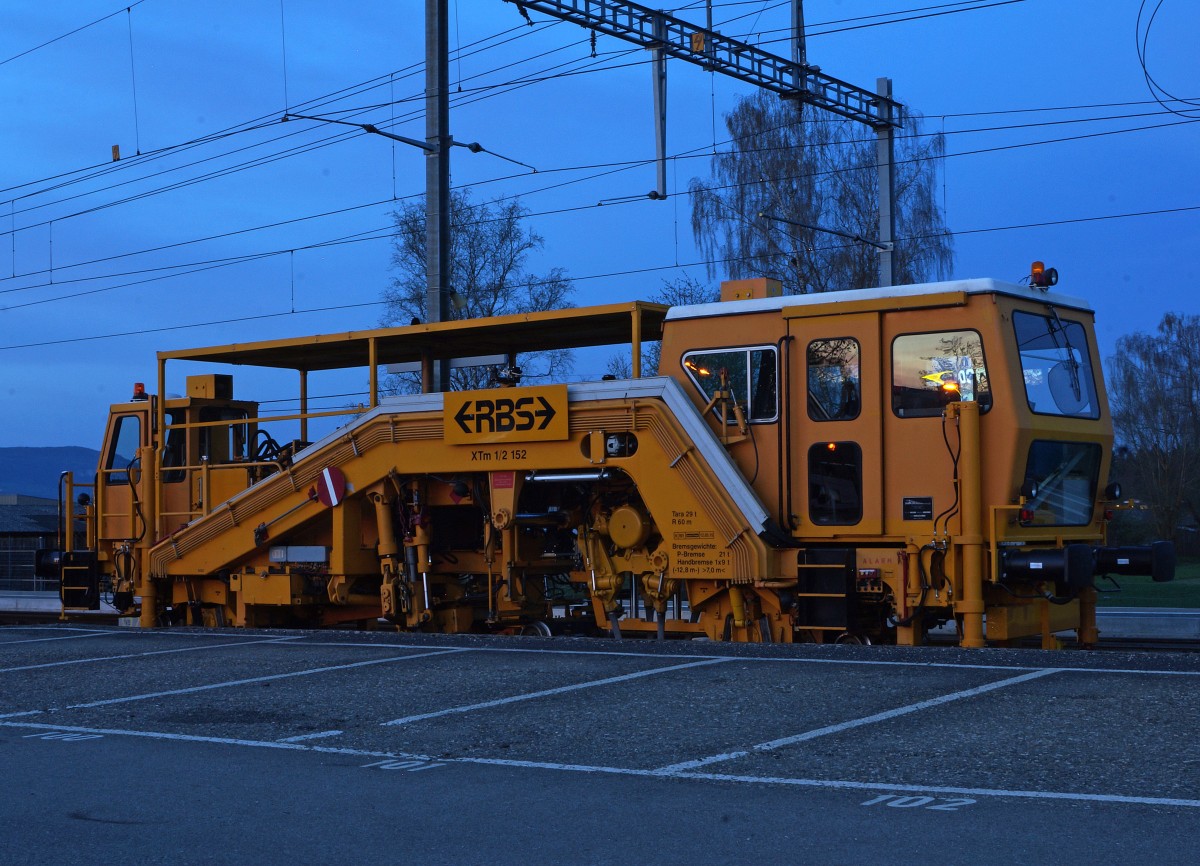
[854, 466]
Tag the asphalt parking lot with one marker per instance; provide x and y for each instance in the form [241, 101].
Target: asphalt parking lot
[183, 746]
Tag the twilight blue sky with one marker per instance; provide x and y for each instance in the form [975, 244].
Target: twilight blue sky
[231, 226]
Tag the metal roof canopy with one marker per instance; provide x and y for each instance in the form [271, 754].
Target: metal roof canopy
[574, 328]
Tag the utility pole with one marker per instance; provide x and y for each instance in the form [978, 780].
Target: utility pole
[658, 72]
[792, 79]
[885, 158]
[437, 179]
[799, 52]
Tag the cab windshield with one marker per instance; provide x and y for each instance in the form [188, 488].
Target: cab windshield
[1065, 474]
[1055, 365]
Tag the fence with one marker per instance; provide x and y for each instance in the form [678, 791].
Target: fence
[17, 560]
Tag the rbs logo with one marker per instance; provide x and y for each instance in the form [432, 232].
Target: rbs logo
[504, 415]
[513, 414]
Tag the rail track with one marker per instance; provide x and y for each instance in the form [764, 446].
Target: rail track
[1122, 629]
[29, 617]
[1133, 644]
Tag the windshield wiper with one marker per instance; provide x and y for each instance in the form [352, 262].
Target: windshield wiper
[1073, 365]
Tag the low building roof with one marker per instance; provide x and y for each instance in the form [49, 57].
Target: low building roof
[27, 515]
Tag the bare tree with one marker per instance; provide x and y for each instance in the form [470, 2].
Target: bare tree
[489, 251]
[681, 291]
[1154, 391]
[819, 172]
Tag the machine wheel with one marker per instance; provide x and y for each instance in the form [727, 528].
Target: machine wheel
[854, 639]
[537, 628]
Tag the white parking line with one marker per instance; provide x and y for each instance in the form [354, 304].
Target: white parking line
[320, 735]
[657, 655]
[269, 678]
[854, 723]
[147, 653]
[835, 783]
[301, 642]
[626, 771]
[46, 639]
[942, 789]
[557, 691]
[224, 741]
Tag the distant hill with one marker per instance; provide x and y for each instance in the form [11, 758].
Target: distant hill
[35, 471]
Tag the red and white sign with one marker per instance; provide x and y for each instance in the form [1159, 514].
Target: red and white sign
[331, 486]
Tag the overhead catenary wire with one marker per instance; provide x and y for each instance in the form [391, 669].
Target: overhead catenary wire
[261, 121]
[340, 137]
[383, 231]
[416, 67]
[250, 164]
[283, 55]
[579, 278]
[941, 10]
[200, 240]
[335, 139]
[640, 162]
[195, 267]
[1142, 42]
[701, 152]
[137, 127]
[80, 29]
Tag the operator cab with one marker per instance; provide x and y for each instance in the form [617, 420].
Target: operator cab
[212, 452]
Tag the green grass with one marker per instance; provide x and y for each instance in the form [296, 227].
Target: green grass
[1183, 591]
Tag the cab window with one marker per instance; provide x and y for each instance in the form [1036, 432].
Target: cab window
[834, 389]
[931, 370]
[835, 483]
[224, 443]
[175, 454]
[749, 375]
[123, 454]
